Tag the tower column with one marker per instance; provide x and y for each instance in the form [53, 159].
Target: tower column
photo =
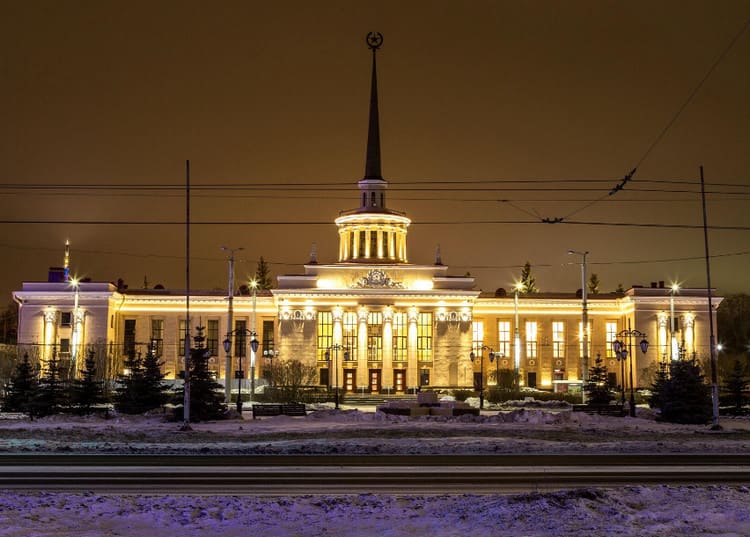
[362, 370]
[50, 318]
[411, 350]
[338, 338]
[387, 371]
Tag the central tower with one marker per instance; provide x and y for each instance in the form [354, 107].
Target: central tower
[371, 233]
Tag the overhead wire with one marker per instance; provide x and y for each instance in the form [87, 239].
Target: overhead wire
[629, 176]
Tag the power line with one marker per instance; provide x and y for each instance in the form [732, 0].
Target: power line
[664, 131]
[456, 266]
[326, 223]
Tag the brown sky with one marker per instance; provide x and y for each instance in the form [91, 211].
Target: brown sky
[513, 101]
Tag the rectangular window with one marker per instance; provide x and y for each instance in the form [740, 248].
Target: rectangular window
[66, 318]
[128, 342]
[424, 337]
[212, 337]
[400, 337]
[350, 338]
[477, 337]
[373, 243]
[325, 335]
[157, 336]
[362, 243]
[503, 333]
[375, 336]
[531, 339]
[182, 334]
[611, 335]
[64, 347]
[240, 338]
[351, 245]
[558, 339]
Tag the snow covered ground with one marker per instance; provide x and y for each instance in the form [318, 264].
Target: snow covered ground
[625, 511]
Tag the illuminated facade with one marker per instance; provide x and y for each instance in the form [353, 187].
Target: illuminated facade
[371, 321]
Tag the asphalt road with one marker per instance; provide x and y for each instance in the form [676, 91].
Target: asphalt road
[289, 475]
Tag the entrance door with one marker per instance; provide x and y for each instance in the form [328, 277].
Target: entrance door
[374, 380]
[399, 379]
[349, 378]
[531, 376]
[477, 381]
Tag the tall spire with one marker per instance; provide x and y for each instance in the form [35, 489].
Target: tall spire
[372, 165]
[66, 261]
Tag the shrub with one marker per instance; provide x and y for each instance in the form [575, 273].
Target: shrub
[462, 395]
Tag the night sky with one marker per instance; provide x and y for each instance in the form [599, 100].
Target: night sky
[494, 116]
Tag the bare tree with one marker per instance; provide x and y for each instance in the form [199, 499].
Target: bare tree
[291, 379]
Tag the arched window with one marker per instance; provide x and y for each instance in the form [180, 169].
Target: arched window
[372, 197]
[364, 199]
[382, 199]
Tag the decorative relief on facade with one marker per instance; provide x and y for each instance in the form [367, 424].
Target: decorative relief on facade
[412, 315]
[377, 279]
[50, 316]
[464, 316]
[362, 314]
[388, 314]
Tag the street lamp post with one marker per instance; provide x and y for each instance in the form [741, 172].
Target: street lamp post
[516, 339]
[240, 374]
[584, 322]
[336, 348]
[253, 348]
[625, 352]
[473, 356]
[230, 319]
[621, 354]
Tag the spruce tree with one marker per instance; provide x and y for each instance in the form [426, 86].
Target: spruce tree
[685, 397]
[24, 385]
[659, 386]
[596, 387]
[206, 395]
[527, 280]
[263, 275]
[735, 385]
[593, 285]
[154, 389]
[87, 392]
[52, 394]
[141, 389]
[130, 387]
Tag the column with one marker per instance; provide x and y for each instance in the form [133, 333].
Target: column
[362, 369]
[335, 371]
[50, 320]
[411, 350]
[387, 379]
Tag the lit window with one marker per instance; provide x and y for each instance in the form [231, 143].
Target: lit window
[531, 339]
[611, 335]
[503, 332]
[424, 337]
[558, 339]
